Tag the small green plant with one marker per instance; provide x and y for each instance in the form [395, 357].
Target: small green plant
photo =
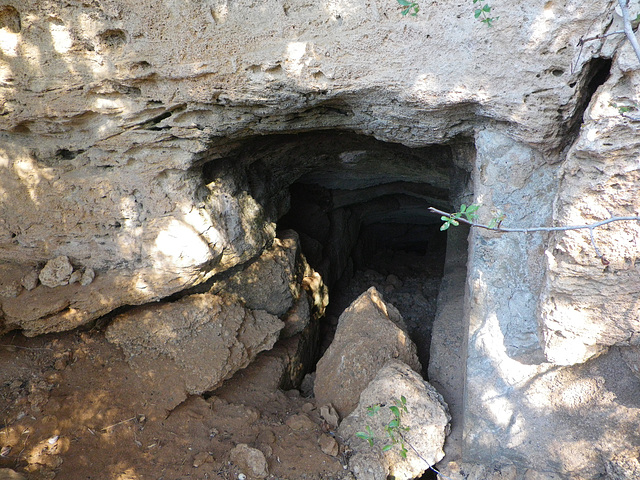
[411, 8]
[394, 428]
[483, 12]
[622, 109]
[468, 212]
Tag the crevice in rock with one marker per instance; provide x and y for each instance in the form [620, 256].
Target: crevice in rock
[595, 73]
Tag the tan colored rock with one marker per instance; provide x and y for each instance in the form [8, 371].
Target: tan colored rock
[370, 332]
[329, 445]
[30, 280]
[329, 415]
[427, 418]
[192, 345]
[271, 282]
[250, 460]
[56, 272]
[301, 421]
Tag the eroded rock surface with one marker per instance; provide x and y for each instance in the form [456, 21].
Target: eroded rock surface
[370, 332]
[192, 345]
[427, 418]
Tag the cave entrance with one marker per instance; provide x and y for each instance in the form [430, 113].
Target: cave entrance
[360, 207]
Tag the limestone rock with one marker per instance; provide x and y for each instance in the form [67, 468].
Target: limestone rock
[56, 272]
[87, 277]
[369, 333]
[250, 460]
[193, 344]
[30, 280]
[271, 282]
[297, 318]
[427, 418]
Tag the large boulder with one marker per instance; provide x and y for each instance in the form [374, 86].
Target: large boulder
[370, 332]
[422, 428]
[192, 345]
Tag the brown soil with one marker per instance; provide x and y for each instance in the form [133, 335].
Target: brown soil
[73, 409]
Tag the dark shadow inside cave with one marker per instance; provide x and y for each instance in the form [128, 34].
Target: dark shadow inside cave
[360, 207]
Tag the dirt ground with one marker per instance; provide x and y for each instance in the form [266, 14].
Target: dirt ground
[71, 408]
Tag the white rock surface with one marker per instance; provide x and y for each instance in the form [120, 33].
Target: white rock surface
[427, 418]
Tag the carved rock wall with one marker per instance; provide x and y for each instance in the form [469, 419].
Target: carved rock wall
[123, 128]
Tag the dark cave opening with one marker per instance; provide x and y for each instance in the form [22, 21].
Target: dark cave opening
[360, 207]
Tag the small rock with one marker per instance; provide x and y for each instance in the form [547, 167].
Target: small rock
[250, 460]
[75, 277]
[328, 445]
[200, 459]
[87, 277]
[300, 422]
[30, 280]
[56, 272]
[330, 415]
[308, 407]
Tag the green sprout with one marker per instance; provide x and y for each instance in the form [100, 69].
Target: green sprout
[482, 13]
[411, 8]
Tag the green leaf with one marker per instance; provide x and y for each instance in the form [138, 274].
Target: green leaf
[478, 13]
[445, 227]
[455, 223]
[463, 207]
[404, 3]
[394, 423]
[386, 448]
[473, 208]
[403, 453]
[395, 411]
[486, 8]
[403, 400]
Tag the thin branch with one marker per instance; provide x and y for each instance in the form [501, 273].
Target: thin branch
[628, 29]
[590, 226]
[582, 41]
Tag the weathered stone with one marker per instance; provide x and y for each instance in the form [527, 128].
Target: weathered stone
[75, 277]
[329, 414]
[250, 460]
[300, 422]
[297, 318]
[30, 280]
[271, 282]
[426, 417]
[192, 345]
[87, 277]
[329, 445]
[56, 272]
[369, 333]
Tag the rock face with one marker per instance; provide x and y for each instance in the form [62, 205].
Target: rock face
[427, 418]
[272, 282]
[370, 332]
[155, 145]
[194, 343]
